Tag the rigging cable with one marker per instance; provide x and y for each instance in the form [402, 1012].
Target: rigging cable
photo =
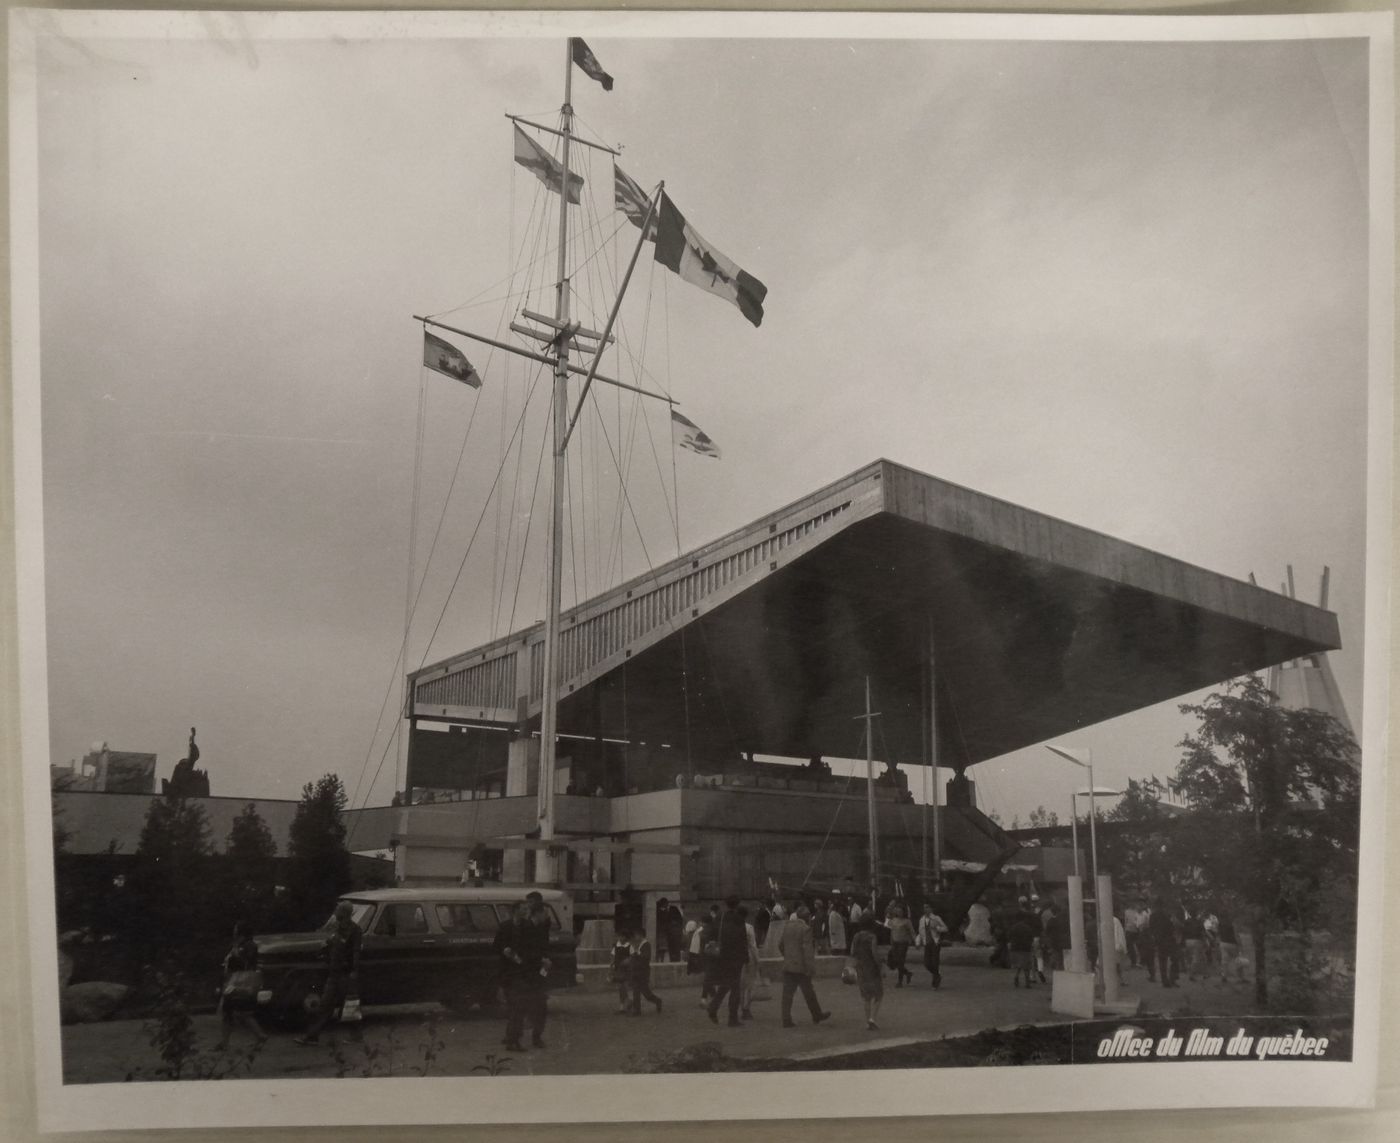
[525, 542]
[441, 614]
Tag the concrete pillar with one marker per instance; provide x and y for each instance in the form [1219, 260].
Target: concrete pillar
[522, 757]
[1078, 958]
[513, 866]
[1108, 951]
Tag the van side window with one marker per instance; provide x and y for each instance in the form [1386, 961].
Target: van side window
[483, 917]
[402, 920]
[506, 912]
[455, 919]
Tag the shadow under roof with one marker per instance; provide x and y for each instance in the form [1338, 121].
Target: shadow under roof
[762, 640]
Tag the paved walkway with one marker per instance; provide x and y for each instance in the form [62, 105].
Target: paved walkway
[586, 1036]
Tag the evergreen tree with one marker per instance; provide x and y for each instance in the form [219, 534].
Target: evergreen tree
[168, 902]
[318, 870]
[250, 860]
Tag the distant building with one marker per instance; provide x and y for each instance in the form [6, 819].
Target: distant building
[106, 771]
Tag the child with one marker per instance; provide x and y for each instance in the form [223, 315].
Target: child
[621, 959]
[639, 972]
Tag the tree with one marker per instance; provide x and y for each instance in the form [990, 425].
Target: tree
[1139, 849]
[1041, 818]
[318, 870]
[167, 901]
[250, 860]
[1274, 822]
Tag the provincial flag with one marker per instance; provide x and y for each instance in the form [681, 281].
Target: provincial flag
[632, 200]
[679, 247]
[687, 434]
[449, 360]
[588, 62]
[545, 166]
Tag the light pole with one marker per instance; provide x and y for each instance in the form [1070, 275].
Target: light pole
[1082, 758]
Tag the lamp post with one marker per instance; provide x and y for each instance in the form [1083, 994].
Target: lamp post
[1084, 759]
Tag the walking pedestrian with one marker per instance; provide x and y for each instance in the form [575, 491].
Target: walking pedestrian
[901, 937]
[238, 996]
[639, 972]
[621, 953]
[1193, 934]
[798, 947]
[836, 931]
[342, 953]
[762, 918]
[752, 975]
[821, 928]
[1134, 922]
[932, 930]
[1162, 932]
[1230, 961]
[674, 934]
[1020, 943]
[870, 976]
[731, 953]
[708, 939]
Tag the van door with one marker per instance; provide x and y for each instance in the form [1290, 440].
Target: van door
[402, 955]
[469, 931]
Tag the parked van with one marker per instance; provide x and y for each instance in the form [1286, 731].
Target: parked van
[420, 944]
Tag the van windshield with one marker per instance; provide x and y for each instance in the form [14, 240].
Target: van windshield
[359, 913]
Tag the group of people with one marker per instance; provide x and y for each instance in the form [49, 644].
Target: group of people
[724, 949]
[1031, 937]
[1169, 938]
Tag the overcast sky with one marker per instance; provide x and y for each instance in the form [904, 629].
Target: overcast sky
[1122, 284]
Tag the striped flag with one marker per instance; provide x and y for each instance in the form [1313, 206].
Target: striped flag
[588, 62]
[687, 434]
[632, 200]
[679, 247]
[545, 166]
[449, 360]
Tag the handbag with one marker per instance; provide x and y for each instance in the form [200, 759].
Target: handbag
[243, 986]
[848, 974]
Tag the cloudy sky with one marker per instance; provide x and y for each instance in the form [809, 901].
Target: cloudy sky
[1124, 284]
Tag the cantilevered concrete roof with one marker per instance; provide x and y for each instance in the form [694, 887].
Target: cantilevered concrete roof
[762, 640]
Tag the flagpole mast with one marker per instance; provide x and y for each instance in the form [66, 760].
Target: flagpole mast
[870, 795]
[549, 701]
[612, 317]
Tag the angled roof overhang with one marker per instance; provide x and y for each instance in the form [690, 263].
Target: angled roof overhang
[762, 640]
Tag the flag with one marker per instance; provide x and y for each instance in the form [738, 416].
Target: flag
[688, 434]
[546, 167]
[586, 60]
[680, 248]
[632, 200]
[448, 359]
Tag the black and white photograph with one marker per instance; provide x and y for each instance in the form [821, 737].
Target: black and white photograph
[626, 566]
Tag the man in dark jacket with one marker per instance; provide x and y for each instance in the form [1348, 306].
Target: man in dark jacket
[1162, 932]
[342, 953]
[733, 955]
[799, 966]
[521, 943]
